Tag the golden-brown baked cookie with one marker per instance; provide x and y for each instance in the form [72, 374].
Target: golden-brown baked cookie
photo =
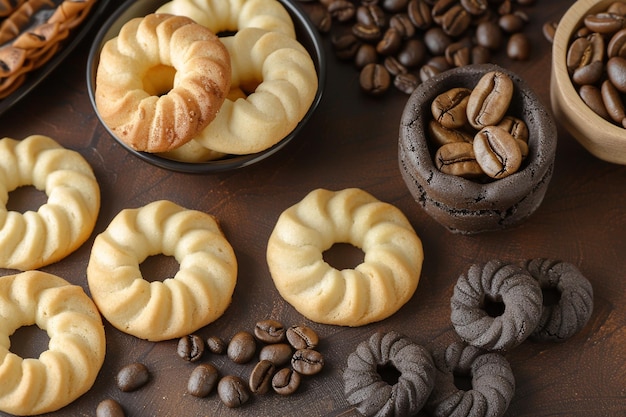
[161, 81]
[199, 292]
[68, 368]
[34, 239]
[375, 289]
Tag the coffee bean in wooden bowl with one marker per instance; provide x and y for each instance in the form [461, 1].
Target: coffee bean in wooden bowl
[476, 186]
[588, 81]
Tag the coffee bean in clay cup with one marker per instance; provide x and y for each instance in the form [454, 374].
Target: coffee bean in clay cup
[476, 202]
[585, 87]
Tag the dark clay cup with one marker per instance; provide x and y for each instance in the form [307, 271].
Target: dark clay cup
[466, 206]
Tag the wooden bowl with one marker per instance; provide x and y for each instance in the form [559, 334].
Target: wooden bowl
[466, 206]
[600, 137]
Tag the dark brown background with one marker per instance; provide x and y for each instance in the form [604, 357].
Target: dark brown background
[351, 141]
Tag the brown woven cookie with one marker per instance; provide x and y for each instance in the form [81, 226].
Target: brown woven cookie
[492, 382]
[496, 306]
[572, 294]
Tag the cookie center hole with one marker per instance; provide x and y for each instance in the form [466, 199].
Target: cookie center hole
[343, 256]
[462, 381]
[551, 296]
[159, 80]
[26, 198]
[388, 373]
[493, 307]
[158, 268]
[29, 342]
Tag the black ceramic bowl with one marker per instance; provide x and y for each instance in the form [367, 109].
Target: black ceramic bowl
[306, 34]
[465, 206]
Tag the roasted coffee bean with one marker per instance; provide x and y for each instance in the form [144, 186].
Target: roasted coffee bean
[450, 107]
[319, 15]
[374, 80]
[616, 71]
[440, 135]
[618, 8]
[458, 159]
[109, 408]
[459, 54]
[233, 391]
[366, 54]
[307, 361]
[261, 377]
[511, 23]
[394, 66]
[605, 23]
[516, 127]
[497, 152]
[505, 7]
[613, 102]
[341, 10]
[489, 35]
[190, 348]
[428, 71]
[413, 53]
[278, 353]
[203, 380]
[518, 47]
[436, 40]
[132, 377]
[390, 43]
[407, 83]
[270, 331]
[403, 25]
[286, 381]
[439, 62]
[475, 7]
[489, 100]
[241, 348]
[526, 2]
[216, 345]
[367, 33]
[419, 13]
[302, 337]
[617, 45]
[585, 58]
[345, 45]
[549, 29]
[480, 55]
[456, 21]
[371, 14]
[440, 8]
[394, 6]
[592, 97]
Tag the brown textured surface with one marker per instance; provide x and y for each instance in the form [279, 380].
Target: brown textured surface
[351, 141]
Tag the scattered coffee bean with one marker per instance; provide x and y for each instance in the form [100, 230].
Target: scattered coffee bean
[109, 408]
[270, 331]
[286, 381]
[279, 353]
[549, 29]
[261, 377]
[203, 380]
[307, 361]
[302, 337]
[132, 377]
[374, 79]
[407, 83]
[450, 107]
[216, 345]
[518, 47]
[489, 100]
[190, 348]
[241, 348]
[233, 391]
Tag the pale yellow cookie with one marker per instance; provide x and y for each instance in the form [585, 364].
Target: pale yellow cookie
[199, 292]
[75, 354]
[385, 280]
[34, 239]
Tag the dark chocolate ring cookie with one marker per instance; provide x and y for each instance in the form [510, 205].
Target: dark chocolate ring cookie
[493, 383]
[562, 319]
[496, 306]
[365, 387]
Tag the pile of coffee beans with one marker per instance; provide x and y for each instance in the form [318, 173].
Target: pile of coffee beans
[472, 133]
[596, 62]
[405, 42]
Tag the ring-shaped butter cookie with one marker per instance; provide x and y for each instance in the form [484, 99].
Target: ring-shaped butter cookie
[374, 289]
[229, 16]
[496, 306]
[365, 383]
[76, 349]
[492, 383]
[34, 239]
[573, 304]
[160, 81]
[199, 292]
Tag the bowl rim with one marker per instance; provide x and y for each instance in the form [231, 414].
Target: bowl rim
[135, 8]
[562, 87]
